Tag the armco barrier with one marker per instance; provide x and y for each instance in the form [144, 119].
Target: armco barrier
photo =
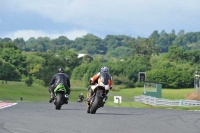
[190, 103]
[160, 102]
[165, 102]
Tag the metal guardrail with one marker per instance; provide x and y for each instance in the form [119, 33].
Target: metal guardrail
[165, 102]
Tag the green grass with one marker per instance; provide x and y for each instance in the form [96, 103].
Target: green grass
[37, 93]
[166, 93]
[176, 93]
[12, 91]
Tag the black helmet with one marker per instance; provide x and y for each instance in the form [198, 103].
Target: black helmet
[61, 70]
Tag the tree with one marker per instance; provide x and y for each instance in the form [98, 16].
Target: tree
[8, 45]
[163, 41]
[50, 66]
[31, 45]
[69, 57]
[9, 72]
[154, 37]
[175, 53]
[119, 52]
[143, 47]
[34, 63]
[171, 37]
[7, 39]
[62, 40]
[90, 44]
[171, 74]
[43, 43]
[20, 43]
[14, 57]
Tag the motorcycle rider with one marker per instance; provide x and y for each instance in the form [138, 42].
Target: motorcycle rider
[59, 77]
[101, 78]
[81, 97]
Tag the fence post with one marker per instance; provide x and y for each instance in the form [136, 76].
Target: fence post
[181, 102]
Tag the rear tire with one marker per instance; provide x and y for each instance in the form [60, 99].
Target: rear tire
[58, 103]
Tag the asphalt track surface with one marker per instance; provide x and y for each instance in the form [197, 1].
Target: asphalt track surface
[73, 118]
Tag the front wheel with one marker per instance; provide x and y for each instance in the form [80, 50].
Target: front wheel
[95, 105]
[88, 110]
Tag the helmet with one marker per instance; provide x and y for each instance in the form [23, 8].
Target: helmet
[61, 70]
[104, 69]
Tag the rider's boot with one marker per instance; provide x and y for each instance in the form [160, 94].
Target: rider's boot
[51, 97]
[106, 97]
[104, 100]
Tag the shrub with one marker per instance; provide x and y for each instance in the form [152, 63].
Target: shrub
[29, 81]
[121, 80]
[139, 84]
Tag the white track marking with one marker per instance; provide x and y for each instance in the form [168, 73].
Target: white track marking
[5, 104]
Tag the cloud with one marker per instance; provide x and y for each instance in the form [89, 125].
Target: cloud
[26, 34]
[115, 16]
[90, 11]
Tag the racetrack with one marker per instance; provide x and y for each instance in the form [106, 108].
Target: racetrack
[27, 117]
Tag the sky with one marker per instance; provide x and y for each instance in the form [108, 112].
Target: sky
[76, 18]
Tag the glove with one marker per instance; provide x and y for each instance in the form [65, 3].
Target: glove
[110, 87]
[91, 82]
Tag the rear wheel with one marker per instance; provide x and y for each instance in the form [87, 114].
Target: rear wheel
[58, 103]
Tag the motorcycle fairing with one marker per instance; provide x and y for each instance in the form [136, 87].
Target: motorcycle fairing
[60, 87]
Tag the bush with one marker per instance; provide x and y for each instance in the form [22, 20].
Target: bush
[139, 84]
[121, 80]
[115, 88]
[38, 81]
[29, 81]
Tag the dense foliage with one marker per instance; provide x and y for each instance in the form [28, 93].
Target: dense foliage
[169, 59]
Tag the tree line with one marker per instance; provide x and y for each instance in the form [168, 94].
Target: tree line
[117, 46]
[166, 58]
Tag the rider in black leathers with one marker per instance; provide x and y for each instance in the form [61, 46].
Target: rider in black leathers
[59, 77]
[81, 97]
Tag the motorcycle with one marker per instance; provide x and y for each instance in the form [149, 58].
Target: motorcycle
[80, 100]
[97, 100]
[60, 96]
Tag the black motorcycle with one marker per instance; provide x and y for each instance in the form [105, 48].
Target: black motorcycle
[97, 99]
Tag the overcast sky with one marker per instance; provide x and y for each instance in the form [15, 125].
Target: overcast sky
[75, 18]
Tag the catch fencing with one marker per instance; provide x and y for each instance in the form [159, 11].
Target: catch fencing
[165, 102]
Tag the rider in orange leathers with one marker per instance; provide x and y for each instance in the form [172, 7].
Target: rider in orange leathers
[102, 78]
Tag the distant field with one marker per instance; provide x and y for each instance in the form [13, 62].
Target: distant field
[37, 93]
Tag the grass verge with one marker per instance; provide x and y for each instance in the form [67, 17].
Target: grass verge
[13, 91]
